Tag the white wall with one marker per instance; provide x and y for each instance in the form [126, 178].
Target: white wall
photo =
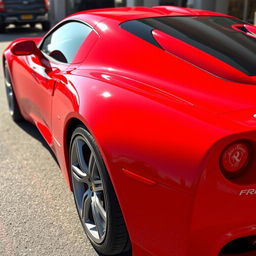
[222, 6]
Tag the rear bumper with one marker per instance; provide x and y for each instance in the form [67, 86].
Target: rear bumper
[15, 18]
[212, 240]
[223, 213]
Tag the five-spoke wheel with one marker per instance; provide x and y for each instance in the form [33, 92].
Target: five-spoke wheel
[88, 188]
[94, 195]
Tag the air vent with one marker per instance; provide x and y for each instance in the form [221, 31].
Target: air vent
[247, 29]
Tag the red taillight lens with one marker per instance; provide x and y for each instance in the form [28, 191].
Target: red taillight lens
[46, 5]
[235, 158]
[2, 6]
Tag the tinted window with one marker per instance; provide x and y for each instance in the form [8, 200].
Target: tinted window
[64, 42]
[211, 34]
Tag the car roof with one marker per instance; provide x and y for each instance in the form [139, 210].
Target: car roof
[129, 13]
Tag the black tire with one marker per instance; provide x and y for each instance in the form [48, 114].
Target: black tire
[11, 98]
[46, 26]
[93, 191]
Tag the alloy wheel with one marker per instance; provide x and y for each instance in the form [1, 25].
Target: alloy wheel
[9, 90]
[88, 189]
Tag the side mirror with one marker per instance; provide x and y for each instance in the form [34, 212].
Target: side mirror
[24, 48]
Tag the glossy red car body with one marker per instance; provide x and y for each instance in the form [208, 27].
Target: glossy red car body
[161, 124]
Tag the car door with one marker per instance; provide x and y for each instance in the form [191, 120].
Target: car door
[59, 49]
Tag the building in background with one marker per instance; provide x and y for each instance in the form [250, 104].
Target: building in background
[243, 9]
[61, 8]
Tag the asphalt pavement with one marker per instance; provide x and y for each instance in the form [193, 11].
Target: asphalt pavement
[37, 212]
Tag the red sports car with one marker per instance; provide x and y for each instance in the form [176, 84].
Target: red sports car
[151, 113]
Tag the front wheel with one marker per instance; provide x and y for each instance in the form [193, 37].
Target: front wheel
[12, 102]
[95, 199]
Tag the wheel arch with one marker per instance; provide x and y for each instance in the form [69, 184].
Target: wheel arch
[70, 127]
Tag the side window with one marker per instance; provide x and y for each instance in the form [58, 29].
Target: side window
[64, 42]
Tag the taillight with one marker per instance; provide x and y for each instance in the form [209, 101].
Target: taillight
[2, 6]
[46, 5]
[235, 158]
